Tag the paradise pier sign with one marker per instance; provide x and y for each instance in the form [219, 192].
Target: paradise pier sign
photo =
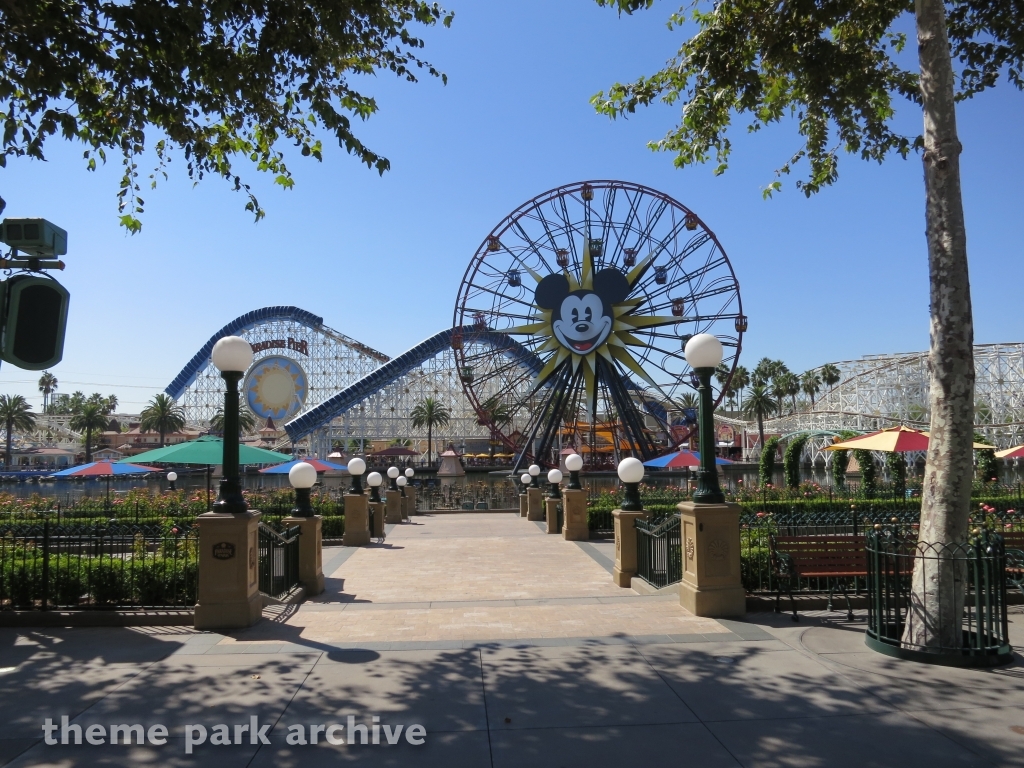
[296, 345]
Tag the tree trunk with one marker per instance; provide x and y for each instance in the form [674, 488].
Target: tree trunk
[760, 428]
[934, 614]
[7, 460]
[430, 444]
[88, 444]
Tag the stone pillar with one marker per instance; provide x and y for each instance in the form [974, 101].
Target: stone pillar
[311, 552]
[378, 518]
[393, 500]
[523, 502]
[710, 536]
[410, 494]
[551, 510]
[625, 546]
[574, 523]
[357, 521]
[534, 504]
[404, 506]
[229, 590]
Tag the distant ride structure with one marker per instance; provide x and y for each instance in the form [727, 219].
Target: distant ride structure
[604, 282]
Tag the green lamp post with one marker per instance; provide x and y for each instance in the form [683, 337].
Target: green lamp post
[704, 353]
[232, 355]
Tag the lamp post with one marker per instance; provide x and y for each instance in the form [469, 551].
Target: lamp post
[555, 477]
[232, 355]
[704, 353]
[302, 477]
[374, 480]
[356, 467]
[574, 463]
[526, 478]
[631, 472]
[409, 473]
[534, 471]
[401, 481]
[393, 473]
[171, 478]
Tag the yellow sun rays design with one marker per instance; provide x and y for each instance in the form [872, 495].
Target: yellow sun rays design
[614, 350]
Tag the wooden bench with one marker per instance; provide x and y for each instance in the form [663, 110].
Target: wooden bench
[1014, 543]
[832, 557]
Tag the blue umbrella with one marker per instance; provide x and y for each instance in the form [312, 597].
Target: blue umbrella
[681, 459]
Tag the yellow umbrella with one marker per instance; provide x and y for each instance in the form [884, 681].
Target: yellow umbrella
[892, 440]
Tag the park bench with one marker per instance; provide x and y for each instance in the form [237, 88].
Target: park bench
[832, 557]
[1013, 541]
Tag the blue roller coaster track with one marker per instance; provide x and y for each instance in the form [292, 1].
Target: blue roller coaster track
[391, 371]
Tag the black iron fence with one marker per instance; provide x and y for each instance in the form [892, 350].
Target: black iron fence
[659, 554]
[958, 611]
[279, 560]
[50, 566]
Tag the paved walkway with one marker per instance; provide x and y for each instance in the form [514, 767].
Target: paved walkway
[763, 693]
[450, 581]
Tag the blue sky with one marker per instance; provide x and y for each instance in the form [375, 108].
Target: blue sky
[830, 278]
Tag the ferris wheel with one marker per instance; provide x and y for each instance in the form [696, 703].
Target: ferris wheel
[596, 287]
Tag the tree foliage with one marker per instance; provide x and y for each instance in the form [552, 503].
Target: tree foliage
[15, 414]
[766, 467]
[162, 415]
[791, 460]
[834, 67]
[214, 81]
[89, 419]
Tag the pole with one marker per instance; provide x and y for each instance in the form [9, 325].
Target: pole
[708, 490]
[230, 498]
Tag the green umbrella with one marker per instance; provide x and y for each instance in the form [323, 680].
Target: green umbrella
[207, 450]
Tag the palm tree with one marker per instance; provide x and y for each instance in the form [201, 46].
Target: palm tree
[810, 383]
[246, 421]
[493, 414]
[162, 415]
[830, 375]
[47, 385]
[740, 381]
[430, 413]
[763, 371]
[780, 389]
[759, 404]
[90, 419]
[111, 405]
[792, 387]
[15, 414]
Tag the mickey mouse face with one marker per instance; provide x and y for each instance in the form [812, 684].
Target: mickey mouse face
[582, 320]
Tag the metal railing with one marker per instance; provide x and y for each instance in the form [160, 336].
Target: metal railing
[961, 614]
[50, 566]
[659, 554]
[279, 560]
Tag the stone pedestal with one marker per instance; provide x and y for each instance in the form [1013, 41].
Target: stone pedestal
[311, 552]
[377, 530]
[393, 507]
[574, 516]
[711, 583]
[534, 504]
[551, 513]
[625, 546]
[357, 521]
[404, 506]
[229, 591]
[410, 494]
[523, 502]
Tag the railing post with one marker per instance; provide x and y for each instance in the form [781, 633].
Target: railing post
[307, 551]
[229, 596]
[625, 547]
[574, 522]
[712, 583]
[46, 563]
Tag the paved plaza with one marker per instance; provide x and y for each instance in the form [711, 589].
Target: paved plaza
[511, 648]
